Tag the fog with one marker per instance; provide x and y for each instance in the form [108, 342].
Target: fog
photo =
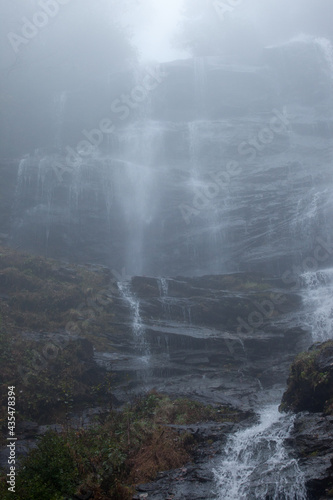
[157, 27]
[166, 209]
[70, 65]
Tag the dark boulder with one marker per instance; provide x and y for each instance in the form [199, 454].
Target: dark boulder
[312, 440]
[310, 389]
[310, 383]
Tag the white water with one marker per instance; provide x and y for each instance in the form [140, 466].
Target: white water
[138, 328]
[318, 303]
[256, 465]
[136, 186]
[163, 286]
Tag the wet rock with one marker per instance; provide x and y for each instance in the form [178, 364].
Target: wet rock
[27, 429]
[43, 429]
[310, 383]
[198, 345]
[194, 481]
[240, 227]
[310, 388]
[324, 360]
[312, 441]
[187, 483]
[84, 495]
[85, 350]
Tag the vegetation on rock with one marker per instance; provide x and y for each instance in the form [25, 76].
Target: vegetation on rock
[52, 317]
[127, 448]
[310, 383]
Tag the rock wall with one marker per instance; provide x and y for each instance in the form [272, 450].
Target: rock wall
[309, 392]
[223, 168]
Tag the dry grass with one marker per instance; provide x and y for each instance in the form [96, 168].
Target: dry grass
[164, 450]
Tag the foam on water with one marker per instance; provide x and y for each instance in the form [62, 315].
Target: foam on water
[256, 465]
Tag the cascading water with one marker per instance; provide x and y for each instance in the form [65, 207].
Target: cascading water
[318, 303]
[257, 466]
[136, 186]
[175, 189]
[140, 342]
[163, 287]
[256, 462]
[110, 199]
[317, 286]
[208, 198]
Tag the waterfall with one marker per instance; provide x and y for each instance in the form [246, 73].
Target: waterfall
[163, 286]
[110, 198]
[136, 185]
[318, 303]
[256, 465]
[138, 328]
[318, 285]
[209, 199]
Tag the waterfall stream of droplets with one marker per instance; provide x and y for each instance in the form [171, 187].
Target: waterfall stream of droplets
[256, 464]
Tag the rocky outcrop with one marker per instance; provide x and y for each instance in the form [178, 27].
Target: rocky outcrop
[217, 177]
[310, 383]
[220, 338]
[194, 481]
[312, 442]
[310, 390]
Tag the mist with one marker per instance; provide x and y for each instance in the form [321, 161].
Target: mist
[166, 249]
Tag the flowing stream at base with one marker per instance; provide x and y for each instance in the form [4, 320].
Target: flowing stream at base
[256, 464]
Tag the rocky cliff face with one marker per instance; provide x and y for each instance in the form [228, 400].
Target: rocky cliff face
[225, 173]
[220, 338]
[310, 391]
[86, 341]
[225, 339]
[227, 169]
